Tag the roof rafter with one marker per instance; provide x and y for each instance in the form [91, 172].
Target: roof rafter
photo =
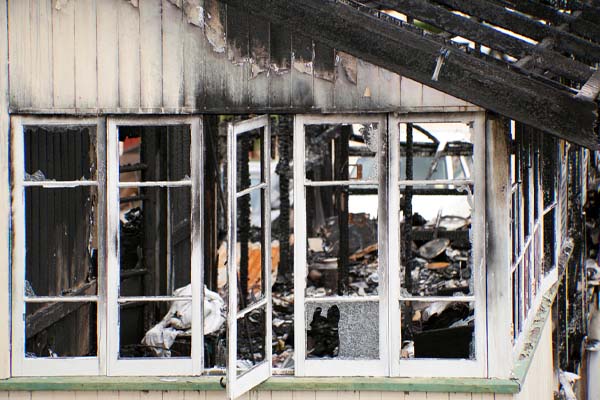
[384, 41]
[442, 18]
[500, 16]
[577, 25]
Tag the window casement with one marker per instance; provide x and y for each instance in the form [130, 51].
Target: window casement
[370, 171]
[57, 188]
[389, 246]
[72, 269]
[536, 211]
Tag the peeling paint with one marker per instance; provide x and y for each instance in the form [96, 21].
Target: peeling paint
[349, 65]
[58, 4]
[215, 31]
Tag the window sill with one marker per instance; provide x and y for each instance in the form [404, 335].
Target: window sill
[460, 385]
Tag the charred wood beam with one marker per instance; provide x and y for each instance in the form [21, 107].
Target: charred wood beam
[591, 89]
[403, 50]
[589, 12]
[576, 25]
[51, 313]
[442, 18]
[523, 25]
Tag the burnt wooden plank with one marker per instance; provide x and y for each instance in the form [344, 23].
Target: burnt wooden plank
[302, 70]
[345, 90]
[324, 75]
[413, 55]
[591, 89]
[238, 53]
[259, 53]
[54, 312]
[519, 23]
[280, 66]
[579, 26]
[215, 78]
[462, 26]
[194, 49]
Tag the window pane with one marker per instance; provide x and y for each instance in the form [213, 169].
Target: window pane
[437, 330]
[156, 329]
[342, 241]
[154, 153]
[251, 339]
[61, 241]
[155, 240]
[430, 151]
[341, 151]
[249, 159]
[344, 330]
[60, 153]
[250, 255]
[440, 258]
[60, 330]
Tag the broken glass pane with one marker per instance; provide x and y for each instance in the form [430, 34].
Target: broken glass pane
[343, 330]
[156, 328]
[61, 241]
[341, 152]
[342, 251]
[61, 329]
[154, 153]
[549, 241]
[251, 340]
[249, 159]
[60, 153]
[155, 240]
[440, 329]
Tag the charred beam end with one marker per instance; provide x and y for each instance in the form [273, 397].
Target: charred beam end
[409, 54]
[521, 24]
[442, 18]
[591, 89]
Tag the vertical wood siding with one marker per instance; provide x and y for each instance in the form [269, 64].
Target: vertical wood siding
[4, 198]
[111, 55]
[257, 395]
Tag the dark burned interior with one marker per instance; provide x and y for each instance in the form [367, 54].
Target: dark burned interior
[342, 233]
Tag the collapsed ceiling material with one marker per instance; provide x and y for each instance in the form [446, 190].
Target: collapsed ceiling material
[525, 60]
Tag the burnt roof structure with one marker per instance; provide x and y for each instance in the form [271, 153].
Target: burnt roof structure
[523, 59]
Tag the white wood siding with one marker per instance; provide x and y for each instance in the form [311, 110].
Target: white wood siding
[111, 56]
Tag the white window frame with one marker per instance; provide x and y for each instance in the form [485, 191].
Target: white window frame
[154, 366]
[238, 385]
[336, 367]
[21, 365]
[446, 367]
[527, 245]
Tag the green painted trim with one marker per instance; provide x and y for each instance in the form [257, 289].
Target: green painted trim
[210, 383]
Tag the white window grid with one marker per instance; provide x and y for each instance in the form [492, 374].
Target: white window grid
[389, 256]
[31, 366]
[530, 278]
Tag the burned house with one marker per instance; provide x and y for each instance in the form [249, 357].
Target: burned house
[205, 198]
